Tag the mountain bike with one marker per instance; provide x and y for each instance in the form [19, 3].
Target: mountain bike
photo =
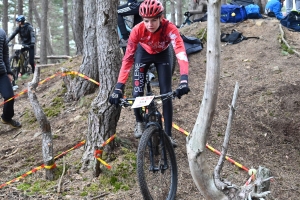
[20, 60]
[156, 160]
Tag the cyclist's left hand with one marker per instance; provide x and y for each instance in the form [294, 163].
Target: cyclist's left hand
[182, 89]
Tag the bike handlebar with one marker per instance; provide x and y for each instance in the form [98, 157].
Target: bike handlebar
[126, 102]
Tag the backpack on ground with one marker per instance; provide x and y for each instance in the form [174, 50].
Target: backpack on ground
[253, 11]
[191, 44]
[234, 37]
[292, 21]
[233, 13]
[242, 2]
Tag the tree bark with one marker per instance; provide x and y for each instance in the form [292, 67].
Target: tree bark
[179, 12]
[47, 142]
[173, 12]
[79, 87]
[78, 25]
[197, 140]
[44, 32]
[5, 16]
[103, 117]
[30, 11]
[66, 28]
[20, 7]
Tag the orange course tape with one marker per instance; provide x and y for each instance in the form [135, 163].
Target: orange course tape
[50, 77]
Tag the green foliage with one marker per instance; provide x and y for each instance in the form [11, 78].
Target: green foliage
[120, 176]
[54, 109]
[202, 35]
[286, 50]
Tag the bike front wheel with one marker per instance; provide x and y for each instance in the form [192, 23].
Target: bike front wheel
[156, 166]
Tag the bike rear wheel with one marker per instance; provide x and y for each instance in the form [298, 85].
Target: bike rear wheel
[158, 181]
[14, 66]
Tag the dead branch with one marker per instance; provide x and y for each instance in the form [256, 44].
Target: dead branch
[47, 142]
[285, 42]
[62, 174]
[220, 184]
[55, 57]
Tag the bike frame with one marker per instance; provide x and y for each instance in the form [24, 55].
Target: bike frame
[153, 117]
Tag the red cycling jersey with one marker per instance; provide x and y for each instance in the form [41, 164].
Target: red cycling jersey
[154, 43]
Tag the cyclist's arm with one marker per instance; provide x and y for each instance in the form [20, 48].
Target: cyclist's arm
[16, 31]
[179, 49]
[32, 35]
[128, 58]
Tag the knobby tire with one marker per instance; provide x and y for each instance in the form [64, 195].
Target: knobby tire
[14, 66]
[161, 184]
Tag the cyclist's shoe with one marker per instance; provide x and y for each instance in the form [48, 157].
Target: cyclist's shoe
[173, 142]
[123, 43]
[15, 87]
[139, 129]
[13, 123]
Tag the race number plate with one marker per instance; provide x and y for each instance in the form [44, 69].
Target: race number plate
[142, 101]
[17, 46]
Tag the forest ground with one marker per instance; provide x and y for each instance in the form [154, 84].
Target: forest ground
[265, 129]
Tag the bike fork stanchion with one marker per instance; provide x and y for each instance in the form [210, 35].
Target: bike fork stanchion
[152, 166]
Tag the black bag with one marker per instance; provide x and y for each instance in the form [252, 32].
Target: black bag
[191, 44]
[292, 21]
[234, 37]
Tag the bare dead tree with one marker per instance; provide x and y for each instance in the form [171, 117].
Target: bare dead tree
[47, 142]
[213, 186]
[5, 16]
[66, 28]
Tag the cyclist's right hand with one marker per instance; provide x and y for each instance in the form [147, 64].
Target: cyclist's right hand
[115, 97]
[25, 46]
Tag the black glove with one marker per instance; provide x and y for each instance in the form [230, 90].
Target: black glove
[182, 89]
[115, 97]
[31, 45]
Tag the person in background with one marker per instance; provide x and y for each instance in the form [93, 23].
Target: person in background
[130, 8]
[26, 33]
[6, 77]
[148, 43]
[273, 9]
[289, 6]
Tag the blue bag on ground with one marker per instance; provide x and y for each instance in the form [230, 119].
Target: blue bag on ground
[233, 13]
[292, 21]
[253, 11]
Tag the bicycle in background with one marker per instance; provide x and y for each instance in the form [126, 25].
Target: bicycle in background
[188, 14]
[156, 160]
[20, 60]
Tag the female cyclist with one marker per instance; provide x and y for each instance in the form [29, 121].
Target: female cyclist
[148, 43]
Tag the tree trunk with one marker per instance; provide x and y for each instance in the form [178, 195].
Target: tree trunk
[164, 3]
[30, 12]
[103, 117]
[44, 32]
[47, 143]
[38, 20]
[78, 87]
[20, 7]
[66, 28]
[179, 12]
[197, 140]
[172, 8]
[78, 25]
[5, 16]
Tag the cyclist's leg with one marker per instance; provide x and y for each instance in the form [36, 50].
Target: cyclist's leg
[141, 65]
[164, 73]
[31, 58]
[7, 92]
